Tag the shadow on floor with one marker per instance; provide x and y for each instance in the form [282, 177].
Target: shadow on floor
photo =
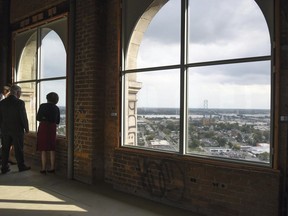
[31, 193]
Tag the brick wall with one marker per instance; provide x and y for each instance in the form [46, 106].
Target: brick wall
[208, 188]
[89, 92]
[4, 41]
[204, 188]
[112, 123]
[1, 38]
[282, 78]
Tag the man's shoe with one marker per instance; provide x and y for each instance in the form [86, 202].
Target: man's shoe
[12, 162]
[24, 168]
[5, 170]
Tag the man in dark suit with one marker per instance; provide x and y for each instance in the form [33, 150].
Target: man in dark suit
[13, 123]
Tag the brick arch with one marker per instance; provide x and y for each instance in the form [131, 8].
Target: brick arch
[27, 67]
[139, 30]
[28, 59]
[131, 62]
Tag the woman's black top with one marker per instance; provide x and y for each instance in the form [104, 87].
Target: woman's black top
[48, 112]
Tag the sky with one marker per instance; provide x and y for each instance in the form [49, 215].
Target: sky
[53, 55]
[218, 30]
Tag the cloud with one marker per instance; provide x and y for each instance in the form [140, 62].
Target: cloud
[218, 30]
[53, 55]
[216, 21]
[160, 89]
[238, 74]
[228, 26]
[224, 91]
[58, 86]
[158, 54]
[165, 27]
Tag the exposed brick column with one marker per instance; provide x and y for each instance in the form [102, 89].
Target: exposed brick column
[282, 70]
[89, 90]
[4, 42]
[112, 88]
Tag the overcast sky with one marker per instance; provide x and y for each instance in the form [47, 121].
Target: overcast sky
[219, 30]
[53, 55]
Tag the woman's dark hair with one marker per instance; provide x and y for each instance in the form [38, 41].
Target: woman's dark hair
[52, 97]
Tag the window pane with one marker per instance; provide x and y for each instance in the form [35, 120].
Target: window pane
[40, 54]
[53, 55]
[228, 105]
[29, 97]
[156, 37]
[226, 29]
[152, 111]
[58, 86]
[229, 111]
[26, 50]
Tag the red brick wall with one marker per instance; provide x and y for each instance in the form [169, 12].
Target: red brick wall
[112, 123]
[89, 92]
[281, 78]
[204, 188]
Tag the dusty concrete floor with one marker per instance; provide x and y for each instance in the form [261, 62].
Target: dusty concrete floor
[31, 193]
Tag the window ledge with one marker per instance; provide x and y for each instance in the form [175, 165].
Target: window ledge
[198, 159]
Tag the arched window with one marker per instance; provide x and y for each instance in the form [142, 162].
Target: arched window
[197, 77]
[40, 68]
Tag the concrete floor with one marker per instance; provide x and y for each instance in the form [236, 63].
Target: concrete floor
[31, 193]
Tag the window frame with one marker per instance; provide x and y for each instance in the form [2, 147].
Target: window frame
[184, 66]
[36, 29]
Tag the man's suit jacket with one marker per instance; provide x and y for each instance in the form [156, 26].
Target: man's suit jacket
[13, 116]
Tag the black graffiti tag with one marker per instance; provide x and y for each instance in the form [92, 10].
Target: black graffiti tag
[164, 179]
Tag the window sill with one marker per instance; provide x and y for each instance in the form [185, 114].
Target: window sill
[241, 165]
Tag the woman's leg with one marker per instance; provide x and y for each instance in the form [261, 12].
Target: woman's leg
[43, 160]
[52, 160]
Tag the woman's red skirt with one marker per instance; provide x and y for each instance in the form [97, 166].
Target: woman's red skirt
[46, 136]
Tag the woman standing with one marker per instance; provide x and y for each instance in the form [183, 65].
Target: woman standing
[49, 117]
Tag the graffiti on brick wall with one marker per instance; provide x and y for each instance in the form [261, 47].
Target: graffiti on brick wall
[162, 179]
[80, 119]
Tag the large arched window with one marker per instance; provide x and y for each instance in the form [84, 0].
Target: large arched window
[40, 67]
[197, 77]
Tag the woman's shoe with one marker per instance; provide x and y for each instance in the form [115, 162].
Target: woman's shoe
[43, 172]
